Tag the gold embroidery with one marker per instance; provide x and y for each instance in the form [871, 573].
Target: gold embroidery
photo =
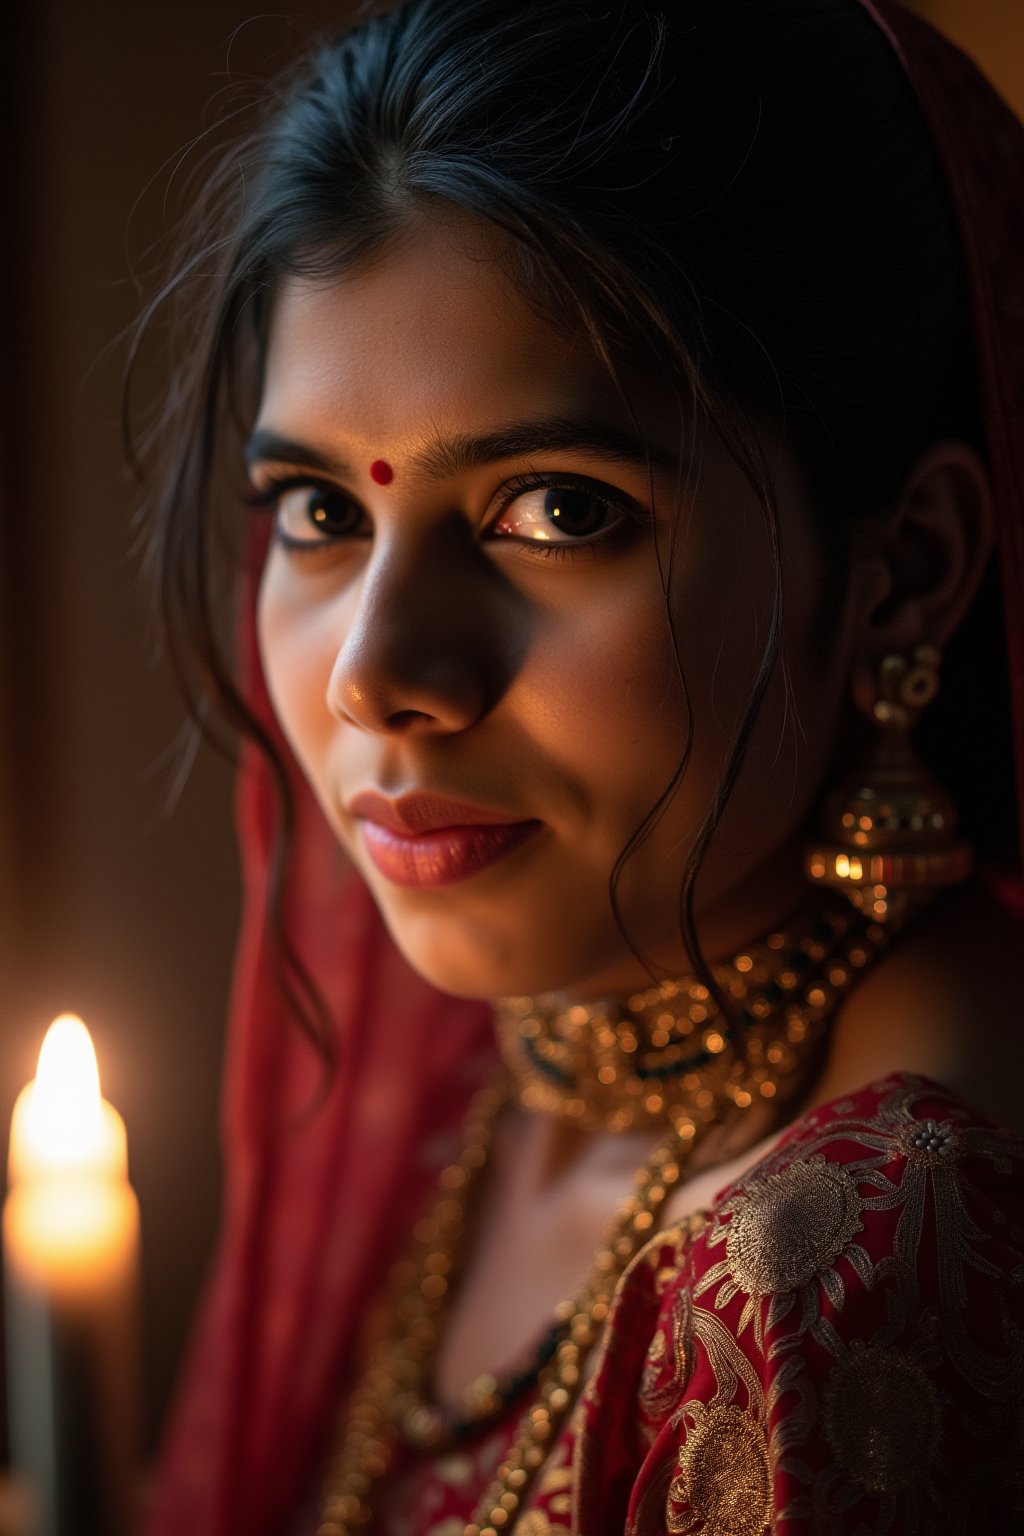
[665, 1374]
[785, 1228]
[555, 1484]
[931, 1143]
[845, 1354]
[790, 1225]
[733, 1372]
[649, 1515]
[723, 1476]
[882, 1418]
[552, 1488]
[555, 1479]
[695, 1223]
[534, 1523]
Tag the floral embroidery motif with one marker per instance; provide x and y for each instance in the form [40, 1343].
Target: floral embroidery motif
[790, 1225]
[882, 1418]
[723, 1476]
[721, 1482]
[782, 1233]
[857, 1356]
[835, 1348]
[929, 1142]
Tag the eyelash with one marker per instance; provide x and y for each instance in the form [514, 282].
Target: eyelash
[633, 514]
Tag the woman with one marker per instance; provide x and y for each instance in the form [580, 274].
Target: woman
[630, 483]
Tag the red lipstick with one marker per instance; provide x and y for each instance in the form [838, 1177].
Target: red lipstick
[427, 841]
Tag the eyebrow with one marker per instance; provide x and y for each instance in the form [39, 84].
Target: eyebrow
[460, 452]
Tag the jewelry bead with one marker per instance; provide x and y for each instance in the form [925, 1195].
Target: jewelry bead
[391, 1399]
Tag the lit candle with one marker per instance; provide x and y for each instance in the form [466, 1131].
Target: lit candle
[71, 1245]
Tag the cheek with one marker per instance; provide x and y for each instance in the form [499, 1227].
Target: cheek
[297, 654]
[720, 607]
[601, 690]
[792, 740]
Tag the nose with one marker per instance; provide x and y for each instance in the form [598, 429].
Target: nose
[418, 654]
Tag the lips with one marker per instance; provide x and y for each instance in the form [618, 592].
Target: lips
[427, 841]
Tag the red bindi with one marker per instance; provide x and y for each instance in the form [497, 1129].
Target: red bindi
[381, 471]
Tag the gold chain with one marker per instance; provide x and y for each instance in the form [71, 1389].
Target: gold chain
[388, 1403]
[391, 1402]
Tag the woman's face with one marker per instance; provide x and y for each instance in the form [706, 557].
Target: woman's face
[464, 602]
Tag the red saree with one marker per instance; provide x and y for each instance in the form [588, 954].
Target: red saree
[831, 1347]
[700, 1380]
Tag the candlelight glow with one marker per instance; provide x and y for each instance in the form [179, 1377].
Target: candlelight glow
[63, 1117]
[71, 1217]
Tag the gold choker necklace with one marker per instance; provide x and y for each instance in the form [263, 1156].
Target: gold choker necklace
[669, 1055]
[794, 980]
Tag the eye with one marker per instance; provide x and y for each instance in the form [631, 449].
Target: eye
[308, 515]
[539, 512]
[311, 514]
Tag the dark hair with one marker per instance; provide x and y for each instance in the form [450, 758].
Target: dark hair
[742, 192]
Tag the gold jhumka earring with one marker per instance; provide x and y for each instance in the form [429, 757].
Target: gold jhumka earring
[667, 1057]
[889, 828]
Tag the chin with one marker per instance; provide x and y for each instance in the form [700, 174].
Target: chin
[476, 964]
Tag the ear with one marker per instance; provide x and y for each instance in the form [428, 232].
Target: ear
[923, 560]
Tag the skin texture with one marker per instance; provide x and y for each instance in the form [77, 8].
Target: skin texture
[436, 647]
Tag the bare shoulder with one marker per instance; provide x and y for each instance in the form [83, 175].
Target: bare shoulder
[947, 1004]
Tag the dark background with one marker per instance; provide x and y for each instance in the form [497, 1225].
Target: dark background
[111, 906]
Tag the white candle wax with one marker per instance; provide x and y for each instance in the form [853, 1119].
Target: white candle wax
[71, 1243]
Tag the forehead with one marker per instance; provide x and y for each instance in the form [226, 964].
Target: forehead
[433, 332]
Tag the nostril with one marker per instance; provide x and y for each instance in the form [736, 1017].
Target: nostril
[403, 718]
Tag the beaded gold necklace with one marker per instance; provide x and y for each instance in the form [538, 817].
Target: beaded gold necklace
[611, 1067]
[784, 1010]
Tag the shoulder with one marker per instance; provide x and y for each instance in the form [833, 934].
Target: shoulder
[943, 1003]
[841, 1326]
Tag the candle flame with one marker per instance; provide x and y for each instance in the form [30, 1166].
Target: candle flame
[64, 1115]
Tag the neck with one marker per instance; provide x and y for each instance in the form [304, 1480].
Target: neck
[726, 920]
[539, 1155]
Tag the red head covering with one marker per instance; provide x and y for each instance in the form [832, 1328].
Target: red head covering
[314, 1205]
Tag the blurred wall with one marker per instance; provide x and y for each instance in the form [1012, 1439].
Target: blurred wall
[992, 32]
[109, 905]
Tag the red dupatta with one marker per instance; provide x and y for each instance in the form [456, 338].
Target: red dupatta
[315, 1204]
